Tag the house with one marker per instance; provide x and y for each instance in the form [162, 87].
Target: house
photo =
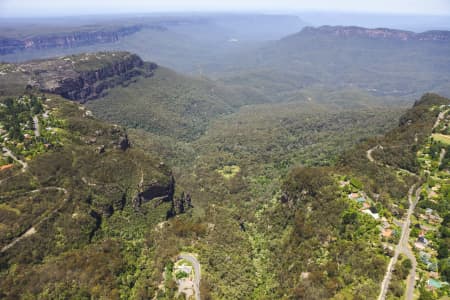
[366, 205]
[421, 243]
[434, 275]
[386, 232]
[6, 167]
[343, 183]
[422, 239]
[353, 196]
[419, 246]
[184, 268]
[374, 215]
[433, 194]
[424, 257]
[434, 219]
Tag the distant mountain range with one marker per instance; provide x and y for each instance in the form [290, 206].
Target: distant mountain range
[383, 62]
[378, 33]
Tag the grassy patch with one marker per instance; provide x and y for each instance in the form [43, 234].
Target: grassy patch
[9, 208]
[445, 139]
[229, 172]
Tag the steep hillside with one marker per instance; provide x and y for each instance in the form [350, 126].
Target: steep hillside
[122, 88]
[337, 222]
[77, 199]
[171, 104]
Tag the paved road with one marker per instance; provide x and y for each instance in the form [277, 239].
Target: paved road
[37, 132]
[406, 249]
[369, 153]
[402, 246]
[10, 154]
[371, 159]
[440, 118]
[441, 157]
[190, 258]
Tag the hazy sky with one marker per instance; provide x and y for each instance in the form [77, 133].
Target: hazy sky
[24, 8]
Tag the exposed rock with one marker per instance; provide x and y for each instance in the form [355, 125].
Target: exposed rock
[181, 205]
[124, 143]
[100, 149]
[155, 192]
[83, 77]
[378, 33]
[98, 222]
[91, 141]
[284, 198]
[189, 201]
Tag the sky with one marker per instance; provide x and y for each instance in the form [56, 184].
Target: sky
[43, 8]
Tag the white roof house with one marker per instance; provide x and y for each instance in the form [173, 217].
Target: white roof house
[376, 216]
[184, 268]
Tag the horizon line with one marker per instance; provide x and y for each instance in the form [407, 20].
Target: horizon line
[221, 12]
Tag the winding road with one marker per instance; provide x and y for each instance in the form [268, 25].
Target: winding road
[369, 153]
[440, 118]
[371, 159]
[8, 152]
[193, 260]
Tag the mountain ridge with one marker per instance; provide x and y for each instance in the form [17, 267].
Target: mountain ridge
[78, 77]
[378, 33]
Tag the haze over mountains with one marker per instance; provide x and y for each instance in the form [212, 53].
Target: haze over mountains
[225, 156]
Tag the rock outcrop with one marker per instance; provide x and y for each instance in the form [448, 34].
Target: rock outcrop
[182, 204]
[155, 192]
[378, 33]
[83, 77]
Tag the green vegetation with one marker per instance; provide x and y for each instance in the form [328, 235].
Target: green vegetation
[167, 104]
[181, 275]
[432, 219]
[442, 138]
[229, 172]
[29, 127]
[88, 240]
[286, 203]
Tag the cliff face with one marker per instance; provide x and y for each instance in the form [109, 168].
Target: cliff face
[83, 77]
[154, 192]
[69, 40]
[8, 45]
[378, 33]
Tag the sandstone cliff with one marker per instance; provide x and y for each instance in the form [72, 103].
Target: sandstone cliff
[70, 39]
[81, 77]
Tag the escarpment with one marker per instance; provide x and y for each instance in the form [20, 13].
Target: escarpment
[154, 191]
[81, 37]
[82, 77]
